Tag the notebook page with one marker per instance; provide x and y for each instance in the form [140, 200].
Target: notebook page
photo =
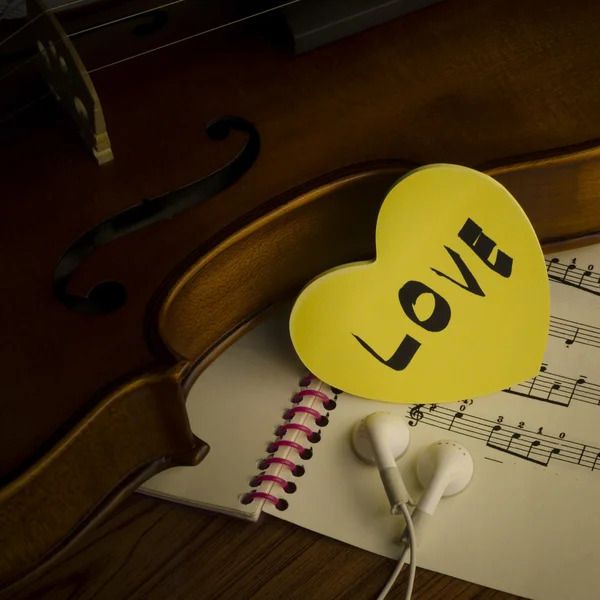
[529, 522]
[235, 406]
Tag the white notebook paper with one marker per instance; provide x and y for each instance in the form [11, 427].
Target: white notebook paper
[529, 522]
[235, 406]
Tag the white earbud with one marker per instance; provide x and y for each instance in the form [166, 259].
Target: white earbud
[381, 439]
[444, 469]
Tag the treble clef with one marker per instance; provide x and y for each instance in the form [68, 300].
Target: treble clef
[415, 414]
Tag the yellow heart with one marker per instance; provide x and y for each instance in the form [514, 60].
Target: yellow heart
[455, 305]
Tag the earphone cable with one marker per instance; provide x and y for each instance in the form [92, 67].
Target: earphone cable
[411, 547]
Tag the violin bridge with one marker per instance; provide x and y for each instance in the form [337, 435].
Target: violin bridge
[69, 80]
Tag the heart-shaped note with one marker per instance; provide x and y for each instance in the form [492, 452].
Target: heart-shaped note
[455, 305]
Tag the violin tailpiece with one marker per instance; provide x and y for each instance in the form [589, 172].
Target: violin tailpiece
[68, 80]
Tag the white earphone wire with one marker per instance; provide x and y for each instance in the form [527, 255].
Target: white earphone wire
[411, 547]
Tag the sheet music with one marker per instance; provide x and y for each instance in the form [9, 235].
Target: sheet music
[529, 523]
[560, 420]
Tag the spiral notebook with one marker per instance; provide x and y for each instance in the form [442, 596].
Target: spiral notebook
[526, 525]
[259, 412]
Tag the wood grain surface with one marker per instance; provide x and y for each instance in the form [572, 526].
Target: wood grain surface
[462, 81]
[156, 550]
[478, 90]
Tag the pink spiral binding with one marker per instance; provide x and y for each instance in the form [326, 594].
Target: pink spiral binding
[258, 480]
[302, 409]
[288, 486]
[305, 453]
[273, 446]
[298, 397]
[276, 460]
[320, 419]
[303, 428]
[280, 504]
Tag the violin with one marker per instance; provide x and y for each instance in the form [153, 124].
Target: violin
[240, 172]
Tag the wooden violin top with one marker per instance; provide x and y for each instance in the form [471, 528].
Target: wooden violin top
[503, 86]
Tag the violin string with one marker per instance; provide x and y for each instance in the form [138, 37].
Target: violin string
[20, 4]
[194, 35]
[118, 20]
[19, 110]
[133, 16]
[22, 64]
[86, 30]
[31, 21]
[11, 8]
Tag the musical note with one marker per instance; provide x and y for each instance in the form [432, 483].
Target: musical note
[571, 275]
[573, 332]
[519, 442]
[569, 268]
[532, 382]
[580, 381]
[493, 430]
[590, 457]
[457, 415]
[571, 341]
[523, 451]
[537, 447]
[554, 388]
[550, 264]
[584, 275]
[533, 445]
[558, 389]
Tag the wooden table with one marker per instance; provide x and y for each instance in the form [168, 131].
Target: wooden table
[155, 550]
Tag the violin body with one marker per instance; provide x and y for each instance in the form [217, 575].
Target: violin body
[94, 403]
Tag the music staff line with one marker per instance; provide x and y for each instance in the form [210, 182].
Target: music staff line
[570, 274]
[558, 389]
[518, 442]
[572, 332]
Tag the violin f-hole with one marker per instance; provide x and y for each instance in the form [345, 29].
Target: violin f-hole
[109, 296]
